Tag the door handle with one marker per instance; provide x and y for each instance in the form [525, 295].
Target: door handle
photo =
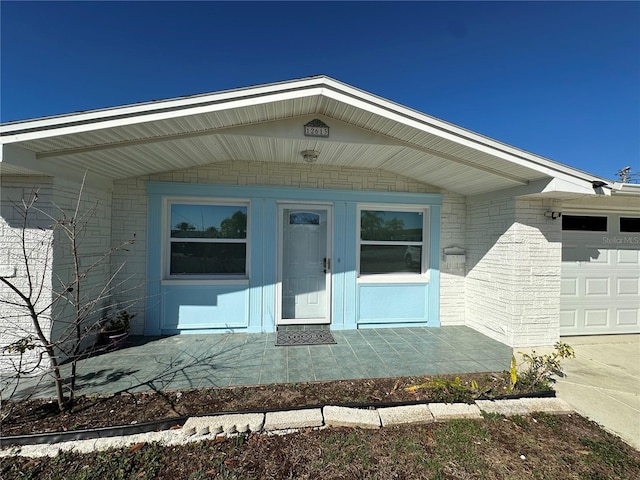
[326, 264]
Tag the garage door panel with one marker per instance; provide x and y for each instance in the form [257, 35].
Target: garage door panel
[596, 286]
[585, 254]
[628, 257]
[596, 318]
[628, 317]
[599, 256]
[569, 287]
[628, 286]
[568, 318]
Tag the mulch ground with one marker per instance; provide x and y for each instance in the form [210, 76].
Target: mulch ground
[38, 416]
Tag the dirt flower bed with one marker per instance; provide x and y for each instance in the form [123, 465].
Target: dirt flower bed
[38, 416]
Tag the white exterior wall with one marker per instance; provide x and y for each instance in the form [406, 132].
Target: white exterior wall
[15, 322]
[130, 214]
[452, 270]
[52, 193]
[93, 243]
[513, 271]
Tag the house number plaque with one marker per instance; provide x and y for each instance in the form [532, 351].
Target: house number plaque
[316, 128]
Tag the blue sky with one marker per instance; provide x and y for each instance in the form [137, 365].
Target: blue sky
[561, 80]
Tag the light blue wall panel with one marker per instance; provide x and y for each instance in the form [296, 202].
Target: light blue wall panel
[202, 307]
[397, 303]
[251, 307]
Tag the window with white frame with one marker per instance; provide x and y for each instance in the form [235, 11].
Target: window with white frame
[207, 240]
[392, 241]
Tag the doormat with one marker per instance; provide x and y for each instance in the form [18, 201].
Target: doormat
[304, 337]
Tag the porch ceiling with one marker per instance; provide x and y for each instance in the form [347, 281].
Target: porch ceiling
[265, 124]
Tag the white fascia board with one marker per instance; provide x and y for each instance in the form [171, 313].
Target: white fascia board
[150, 107]
[626, 189]
[562, 185]
[544, 188]
[101, 124]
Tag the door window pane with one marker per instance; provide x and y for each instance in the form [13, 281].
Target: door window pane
[304, 218]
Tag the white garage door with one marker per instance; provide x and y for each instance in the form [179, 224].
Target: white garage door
[600, 291]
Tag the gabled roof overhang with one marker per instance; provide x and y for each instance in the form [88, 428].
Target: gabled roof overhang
[265, 124]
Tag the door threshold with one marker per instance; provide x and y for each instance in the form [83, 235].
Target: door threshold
[292, 328]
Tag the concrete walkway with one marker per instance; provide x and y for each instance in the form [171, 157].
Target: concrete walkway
[603, 382]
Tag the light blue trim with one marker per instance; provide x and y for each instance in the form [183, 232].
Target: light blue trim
[256, 265]
[350, 267]
[252, 308]
[270, 274]
[154, 266]
[363, 326]
[338, 266]
[434, 265]
[207, 331]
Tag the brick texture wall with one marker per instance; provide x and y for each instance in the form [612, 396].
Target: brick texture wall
[452, 271]
[513, 271]
[94, 242]
[50, 264]
[15, 322]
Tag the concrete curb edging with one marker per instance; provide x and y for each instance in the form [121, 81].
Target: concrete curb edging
[207, 427]
[403, 415]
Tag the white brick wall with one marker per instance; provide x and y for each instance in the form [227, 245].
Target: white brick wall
[513, 271]
[129, 220]
[95, 241]
[130, 215]
[452, 282]
[15, 322]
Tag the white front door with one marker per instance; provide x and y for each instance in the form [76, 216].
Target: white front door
[304, 264]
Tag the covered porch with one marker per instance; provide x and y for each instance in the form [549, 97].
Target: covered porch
[200, 361]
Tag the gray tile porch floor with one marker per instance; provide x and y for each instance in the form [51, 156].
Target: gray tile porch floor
[196, 361]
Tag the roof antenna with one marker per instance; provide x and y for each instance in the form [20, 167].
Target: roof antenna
[626, 176]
